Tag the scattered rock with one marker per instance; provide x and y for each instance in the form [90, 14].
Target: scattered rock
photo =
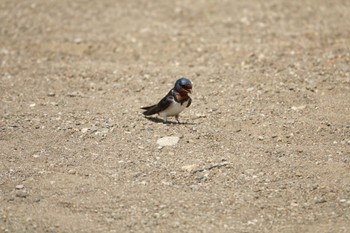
[294, 204]
[20, 186]
[195, 187]
[252, 222]
[75, 94]
[93, 128]
[189, 168]
[72, 172]
[168, 141]
[201, 115]
[22, 193]
[143, 182]
[298, 108]
[298, 174]
[257, 189]
[176, 224]
[173, 173]
[84, 130]
[320, 200]
[78, 40]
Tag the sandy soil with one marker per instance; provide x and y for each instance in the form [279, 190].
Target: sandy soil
[265, 145]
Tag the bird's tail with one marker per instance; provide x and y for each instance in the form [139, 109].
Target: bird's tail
[150, 110]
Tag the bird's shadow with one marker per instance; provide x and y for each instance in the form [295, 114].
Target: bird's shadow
[158, 120]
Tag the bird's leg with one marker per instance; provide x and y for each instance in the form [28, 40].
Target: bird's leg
[165, 119]
[177, 118]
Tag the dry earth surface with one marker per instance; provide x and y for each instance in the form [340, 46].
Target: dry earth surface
[265, 146]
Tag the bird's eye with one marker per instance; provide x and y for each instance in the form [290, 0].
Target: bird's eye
[187, 86]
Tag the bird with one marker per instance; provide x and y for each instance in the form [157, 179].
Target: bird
[174, 102]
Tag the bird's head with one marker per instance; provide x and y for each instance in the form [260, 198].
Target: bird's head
[183, 86]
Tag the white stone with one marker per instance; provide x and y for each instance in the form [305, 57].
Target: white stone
[297, 108]
[168, 141]
[20, 186]
[84, 130]
[190, 167]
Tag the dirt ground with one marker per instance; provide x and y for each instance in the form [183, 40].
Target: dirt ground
[264, 147]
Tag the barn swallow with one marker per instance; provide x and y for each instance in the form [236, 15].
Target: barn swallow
[174, 102]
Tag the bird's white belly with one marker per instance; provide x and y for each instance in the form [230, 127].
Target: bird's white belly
[174, 109]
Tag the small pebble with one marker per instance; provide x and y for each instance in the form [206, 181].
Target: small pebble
[84, 130]
[189, 168]
[72, 172]
[195, 187]
[297, 108]
[75, 94]
[20, 186]
[78, 40]
[94, 128]
[21, 193]
[201, 115]
[252, 222]
[172, 173]
[320, 200]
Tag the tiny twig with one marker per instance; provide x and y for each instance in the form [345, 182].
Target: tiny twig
[215, 165]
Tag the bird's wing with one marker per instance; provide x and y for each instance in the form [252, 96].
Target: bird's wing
[162, 105]
[189, 102]
[166, 101]
[148, 107]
